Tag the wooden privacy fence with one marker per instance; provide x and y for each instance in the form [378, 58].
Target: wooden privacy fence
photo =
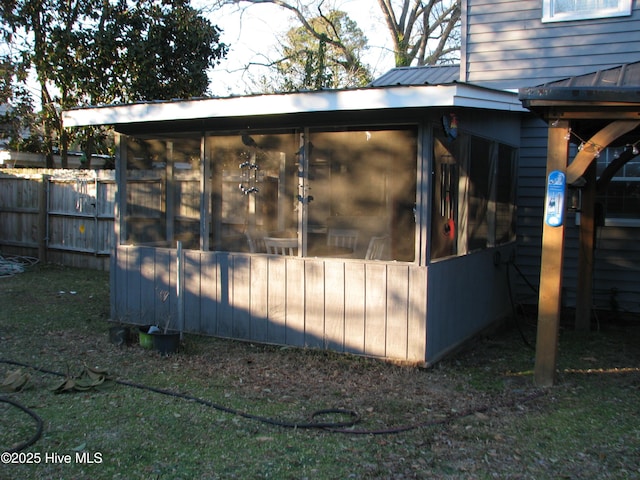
[60, 216]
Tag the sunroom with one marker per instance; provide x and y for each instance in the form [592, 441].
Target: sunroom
[375, 221]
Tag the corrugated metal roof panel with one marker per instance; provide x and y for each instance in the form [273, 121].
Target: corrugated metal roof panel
[627, 75]
[427, 75]
[619, 84]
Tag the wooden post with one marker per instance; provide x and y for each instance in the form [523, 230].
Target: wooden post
[584, 299]
[549, 301]
[170, 194]
[120, 210]
[43, 212]
[205, 195]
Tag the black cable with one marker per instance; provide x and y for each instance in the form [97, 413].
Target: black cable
[442, 421]
[526, 280]
[39, 425]
[513, 306]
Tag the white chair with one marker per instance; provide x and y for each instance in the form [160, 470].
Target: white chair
[256, 242]
[343, 237]
[281, 246]
[376, 248]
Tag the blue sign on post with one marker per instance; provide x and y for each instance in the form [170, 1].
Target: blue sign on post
[554, 201]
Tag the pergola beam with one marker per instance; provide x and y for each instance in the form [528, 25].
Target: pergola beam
[592, 147]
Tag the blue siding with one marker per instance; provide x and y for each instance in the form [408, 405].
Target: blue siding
[530, 193]
[617, 255]
[508, 46]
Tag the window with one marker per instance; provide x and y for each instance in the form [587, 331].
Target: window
[363, 182]
[505, 194]
[474, 195]
[334, 192]
[163, 191]
[620, 201]
[566, 10]
[480, 170]
[254, 189]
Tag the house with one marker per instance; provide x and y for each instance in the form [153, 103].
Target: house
[378, 221]
[576, 66]
[531, 43]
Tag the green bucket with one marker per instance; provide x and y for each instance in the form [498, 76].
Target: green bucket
[146, 340]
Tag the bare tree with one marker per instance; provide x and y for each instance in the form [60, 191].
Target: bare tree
[422, 32]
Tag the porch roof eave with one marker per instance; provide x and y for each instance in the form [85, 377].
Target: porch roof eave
[381, 98]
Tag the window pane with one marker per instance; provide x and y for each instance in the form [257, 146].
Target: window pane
[254, 189]
[505, 195]
[163, 191]
[479, 173]
[566, 10]
[145, 214]
[363, 187]
[563, 6]
[184, 187]
[444, 206]
[621, 198]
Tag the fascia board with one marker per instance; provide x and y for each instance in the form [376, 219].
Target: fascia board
[292, 103]
[472, 97]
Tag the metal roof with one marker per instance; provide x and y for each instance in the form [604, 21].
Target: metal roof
[591, 102]
[426, 75]
[619, 84]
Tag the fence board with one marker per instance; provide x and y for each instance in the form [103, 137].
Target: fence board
[59, 215]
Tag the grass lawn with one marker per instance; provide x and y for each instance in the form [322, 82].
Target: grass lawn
[475, 415]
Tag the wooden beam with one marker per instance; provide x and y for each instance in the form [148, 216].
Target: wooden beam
[596, 143]
[589, 113]
[584, 299]
[549, 301]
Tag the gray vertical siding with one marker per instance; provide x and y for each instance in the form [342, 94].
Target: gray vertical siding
[377, 309]
[508, 46]
[466, 295]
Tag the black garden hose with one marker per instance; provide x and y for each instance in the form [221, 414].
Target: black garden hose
[345, 427]
[355, 418]
[39, 425]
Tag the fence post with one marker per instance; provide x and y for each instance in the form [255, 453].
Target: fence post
[43, 233]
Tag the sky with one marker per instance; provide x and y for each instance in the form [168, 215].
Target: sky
[252, 35]
[253, 32]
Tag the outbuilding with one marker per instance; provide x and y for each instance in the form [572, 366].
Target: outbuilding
[376, 221]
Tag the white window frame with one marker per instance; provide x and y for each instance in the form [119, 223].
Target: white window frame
[550, 15]
[610, 219]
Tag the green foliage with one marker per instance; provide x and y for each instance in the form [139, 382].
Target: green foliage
[17, 119]
[114, 51]
[326, 57]
[164, 51]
